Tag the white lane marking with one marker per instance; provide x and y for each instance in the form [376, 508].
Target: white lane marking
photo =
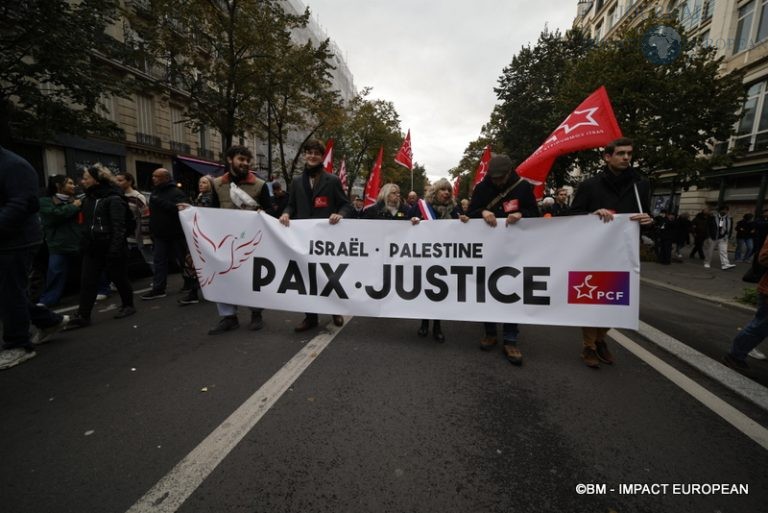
[730, 414]
[745, 387]
[175, 487]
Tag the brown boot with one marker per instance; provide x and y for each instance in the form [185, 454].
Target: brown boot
[513, 354]
[603, 353]
[589, 355]
[487, 342]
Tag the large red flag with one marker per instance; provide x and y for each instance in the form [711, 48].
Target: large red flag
[328, 158]
[343, 174]
[374, 181]
[482, 167]
[591, 125]
[456, 185]
[404, 155]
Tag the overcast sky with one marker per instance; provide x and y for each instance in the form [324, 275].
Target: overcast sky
[436, 60]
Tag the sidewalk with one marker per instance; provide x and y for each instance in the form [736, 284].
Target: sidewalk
[690, 277]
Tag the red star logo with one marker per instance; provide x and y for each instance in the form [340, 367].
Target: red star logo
[576, 119]
[585, 289]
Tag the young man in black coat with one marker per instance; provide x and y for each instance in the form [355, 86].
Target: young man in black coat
[315, 194]
[502, 194]
[617, 189]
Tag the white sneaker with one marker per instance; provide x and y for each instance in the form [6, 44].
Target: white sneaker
[38, 336]
[101, 297]
[707, 266]
[12, 357]
[728, 266]
[756, 354]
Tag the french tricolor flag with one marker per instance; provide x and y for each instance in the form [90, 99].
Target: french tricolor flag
[427, 212]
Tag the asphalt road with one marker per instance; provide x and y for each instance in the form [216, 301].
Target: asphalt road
[381, 421]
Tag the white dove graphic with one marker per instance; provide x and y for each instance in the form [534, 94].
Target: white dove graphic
[230, 253]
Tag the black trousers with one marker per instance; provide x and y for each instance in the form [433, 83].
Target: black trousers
[95, 261]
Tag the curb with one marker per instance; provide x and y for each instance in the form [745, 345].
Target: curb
[714, 299]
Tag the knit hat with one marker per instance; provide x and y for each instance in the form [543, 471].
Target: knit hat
[499, 166]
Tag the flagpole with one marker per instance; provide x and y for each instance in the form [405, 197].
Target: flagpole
[411, 178]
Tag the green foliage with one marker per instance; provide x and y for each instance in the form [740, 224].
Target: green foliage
[749, 297]
[51, 76]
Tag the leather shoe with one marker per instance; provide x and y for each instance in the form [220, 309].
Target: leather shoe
[487, 342]
[224, 325]
[603, 354]
[513, 354]
[423, 329]
[338, 320]
[305, 325]
[256, 321]
[590, 358]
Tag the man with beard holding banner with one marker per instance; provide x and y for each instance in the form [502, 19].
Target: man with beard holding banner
[617, 189]
[315, 194]
[502, 194]
[239, 188]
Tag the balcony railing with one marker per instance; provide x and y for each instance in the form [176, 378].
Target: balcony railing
[178, 147]
[149, 140]
[202, 152]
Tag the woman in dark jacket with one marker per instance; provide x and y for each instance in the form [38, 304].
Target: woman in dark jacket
[388, 205]
[438, 204]
[62, 225]
[104, 244]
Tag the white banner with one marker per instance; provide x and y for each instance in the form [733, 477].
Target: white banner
[570, 271]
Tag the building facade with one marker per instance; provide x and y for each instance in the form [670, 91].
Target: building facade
[738, 29]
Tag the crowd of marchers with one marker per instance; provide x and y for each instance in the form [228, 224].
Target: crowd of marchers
[95, 230]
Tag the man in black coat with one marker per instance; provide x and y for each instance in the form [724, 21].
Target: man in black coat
[502, 194]
[165, 227]
[315, 194]
[617, 189]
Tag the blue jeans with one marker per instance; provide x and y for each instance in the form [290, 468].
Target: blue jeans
[753, 333]
[743, 250]
[56, 279]
[16, 310]
[508, 330]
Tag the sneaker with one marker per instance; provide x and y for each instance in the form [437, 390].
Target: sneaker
[728, 266]
[124, 311]
[77, 321]
[40, 335]
[189, 299]
[487, 342]
[153, 294]
[603, 353]
[589, 355]
[733, 363]
[12, 357]
[707, 266]
[256, 321]
[225, 324]
[756, 354]
[513, 354]
[101, 297]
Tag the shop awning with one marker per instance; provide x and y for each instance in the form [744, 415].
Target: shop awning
[204, 167]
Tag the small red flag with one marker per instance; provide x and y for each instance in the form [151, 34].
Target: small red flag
[456, 185]
[482, 167]
[374, 181]
[328, 158]
[591, 125]
[404, 155]
[343, 174]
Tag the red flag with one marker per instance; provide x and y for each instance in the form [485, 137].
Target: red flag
[591, 125]
[374, 181]
[404, 155]
[343, 174]
[482, 167]
[456, 185]
[328, 158]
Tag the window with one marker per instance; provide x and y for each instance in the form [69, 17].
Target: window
[752, 129]
[107, 107]
[752, 25]
[177, 125]
[598, 32]
[144, 115]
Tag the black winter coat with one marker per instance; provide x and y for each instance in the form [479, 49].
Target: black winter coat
[379, 211]
[616, 193]
[19, 221]
[104, 211]
[520, 199]
[326, 198]
[163, 214]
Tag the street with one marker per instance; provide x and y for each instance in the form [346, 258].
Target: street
[380, 419]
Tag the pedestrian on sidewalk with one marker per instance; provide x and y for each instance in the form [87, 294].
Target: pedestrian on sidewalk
[700, 233]
[617, 189]
[683, 228]
[720, 231]
[745, 232]
[746, 341]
